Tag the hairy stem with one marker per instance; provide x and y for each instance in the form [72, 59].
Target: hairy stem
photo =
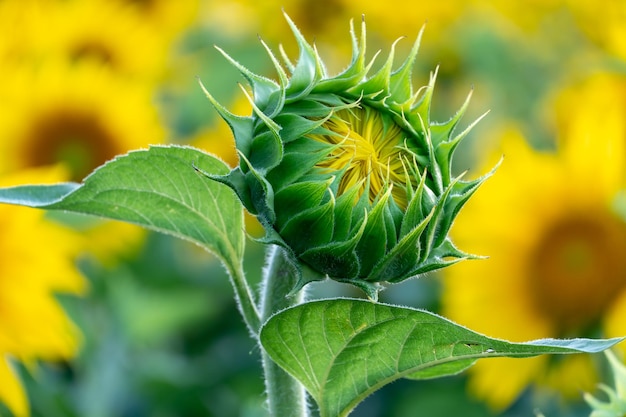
[245, 300]
[286, 397]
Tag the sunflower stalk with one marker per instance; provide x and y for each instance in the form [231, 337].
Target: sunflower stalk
[285, 395]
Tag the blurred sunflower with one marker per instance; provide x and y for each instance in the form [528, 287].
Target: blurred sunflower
[556, 266]
[603, 25]
[313, 17]
[33, 325]
[15, 30]
[325, 20]
[169, 17]
[96, 30]
[80, 116]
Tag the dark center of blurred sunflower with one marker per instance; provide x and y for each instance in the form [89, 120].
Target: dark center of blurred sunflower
[145, 4]
[578, 269]
[94, 51]
[76, 138]
[316, 16]
[369, 147]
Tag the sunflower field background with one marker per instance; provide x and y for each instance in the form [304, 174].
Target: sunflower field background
[104, 319]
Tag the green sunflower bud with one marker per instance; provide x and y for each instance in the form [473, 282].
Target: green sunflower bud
[347, 172]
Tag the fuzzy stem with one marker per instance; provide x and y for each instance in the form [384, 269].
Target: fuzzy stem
[245, 300]
[286, 397]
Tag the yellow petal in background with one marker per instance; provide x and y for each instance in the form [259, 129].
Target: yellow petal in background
[11, 392]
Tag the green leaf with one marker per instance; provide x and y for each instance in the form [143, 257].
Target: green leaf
[342, 350]
[156, 188]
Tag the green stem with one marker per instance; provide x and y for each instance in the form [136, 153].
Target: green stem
[245, 300]
[286, 397]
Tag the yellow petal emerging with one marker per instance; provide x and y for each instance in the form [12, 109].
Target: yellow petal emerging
[371, 149]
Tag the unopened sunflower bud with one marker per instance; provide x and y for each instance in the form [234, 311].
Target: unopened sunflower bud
[347, 172]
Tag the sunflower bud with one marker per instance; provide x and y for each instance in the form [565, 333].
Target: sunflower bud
[347, 172]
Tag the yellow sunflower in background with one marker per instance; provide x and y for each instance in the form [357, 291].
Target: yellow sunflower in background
[325, 21]
[604, 25]
[34, 325]
[167, 16]
[80, 116]
[556, 247]
[16, 30]
[96, 30]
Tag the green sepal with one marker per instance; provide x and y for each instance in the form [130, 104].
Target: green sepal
[295, 164]
[373, 244]
[414, 212]
[400, 85]
[355, 72]
[420, 111]
[263, 88]
[242, 127]
[311, 228]
[276, 100]
[401, 258]
[307, 108]
[338, 259]
[266, 152]
[362, 207]
[436, 176]
[344, 207]
[236, 180]
[433, 239]
[261, 192]
[390, 225]
[443, 256]
[295, 126]
[442, 132]
[461, 193]
[297, 198]
[371, 289]
[378, 83]
[276, 150]
[307, 71]
[304, 276]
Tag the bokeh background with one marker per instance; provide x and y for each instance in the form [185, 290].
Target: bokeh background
[155, 329]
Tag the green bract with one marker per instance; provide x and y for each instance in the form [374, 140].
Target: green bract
[347, 172]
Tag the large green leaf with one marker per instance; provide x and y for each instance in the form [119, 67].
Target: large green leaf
[156, 188]
[343, 350]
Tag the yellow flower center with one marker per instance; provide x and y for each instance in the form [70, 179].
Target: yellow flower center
[370, 147]
[75, 138]
[578, 269]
